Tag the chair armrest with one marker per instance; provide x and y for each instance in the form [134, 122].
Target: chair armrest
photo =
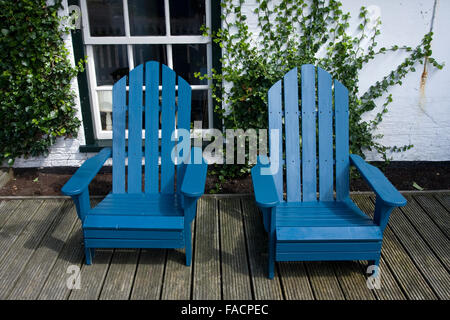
[84, 175]
[384, 190]
[195, 176]
[266, 194]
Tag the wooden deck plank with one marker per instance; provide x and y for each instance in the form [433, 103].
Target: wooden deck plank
[352, 281]
[263, 288]
[25, 245]
[206, 282]
[295, 281]
[119, 279]
[400, 263]
[432, 234]
[41, 238]
[389, 288]
[72, 254]
[403, 268]
[55, 287]
[436, 211]
[7, 208]
[444, 199]
[93, 276]
[424, 258]
[235, 270]
[32, 279]
[178, 276]
[149, 275]
[323, 280]
[17, 222]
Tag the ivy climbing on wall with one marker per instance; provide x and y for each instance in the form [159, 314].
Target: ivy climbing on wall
[36, 97]
[295, 32]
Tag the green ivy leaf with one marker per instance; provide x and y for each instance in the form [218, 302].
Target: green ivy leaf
[36, 98]
[279, 47]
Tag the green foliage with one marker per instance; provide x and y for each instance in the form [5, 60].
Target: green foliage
[292, 33]
[36, 100]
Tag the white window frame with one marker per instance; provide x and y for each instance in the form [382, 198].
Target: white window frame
[129, 40]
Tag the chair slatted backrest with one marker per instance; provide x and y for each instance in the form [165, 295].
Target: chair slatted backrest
[307, 145]
[174, 112]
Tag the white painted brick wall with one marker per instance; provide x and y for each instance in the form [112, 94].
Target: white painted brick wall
[413, 118]
[423, 120]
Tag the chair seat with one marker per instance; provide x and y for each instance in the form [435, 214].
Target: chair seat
[139, 204]
[325, 231]
[324, 221]
[142, 220]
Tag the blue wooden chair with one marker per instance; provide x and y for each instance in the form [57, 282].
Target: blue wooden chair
[160, 214]
[304, 226]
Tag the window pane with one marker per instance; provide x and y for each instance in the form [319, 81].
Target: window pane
[199, 107]
[150, 52]
[111, 63]
[147, 52]
[188, 59]
[147, 17]
[105, 107]
[106, 18]
[186, 17]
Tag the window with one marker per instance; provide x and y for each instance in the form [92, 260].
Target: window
[121, 34]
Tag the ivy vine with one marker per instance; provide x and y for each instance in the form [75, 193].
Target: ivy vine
[36, 98]
[291, 33]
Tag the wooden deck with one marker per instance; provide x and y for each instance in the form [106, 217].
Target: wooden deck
[41, 237]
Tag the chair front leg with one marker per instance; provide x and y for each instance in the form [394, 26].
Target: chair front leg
[375, 262]
[88, 253]
[190, 210]
[272, 253]
[82, 204]
[382, 213]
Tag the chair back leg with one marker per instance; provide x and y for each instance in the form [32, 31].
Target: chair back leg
[272, 244]
[188, 243]
[271, 261]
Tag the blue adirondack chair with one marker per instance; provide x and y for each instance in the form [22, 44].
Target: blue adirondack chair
[159, 216]
[302, 226]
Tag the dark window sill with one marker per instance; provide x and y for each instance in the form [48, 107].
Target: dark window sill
[107, 143]
[96, 146]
